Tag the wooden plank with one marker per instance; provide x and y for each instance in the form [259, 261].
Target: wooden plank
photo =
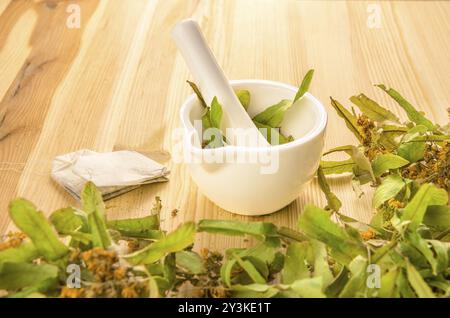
[118, 83]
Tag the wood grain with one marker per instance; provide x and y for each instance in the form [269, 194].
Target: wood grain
[117, 83]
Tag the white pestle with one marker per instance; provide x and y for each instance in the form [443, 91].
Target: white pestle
[212, 82]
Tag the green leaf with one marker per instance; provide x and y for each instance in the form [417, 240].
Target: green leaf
[404, 287]
[388, 189]
[356, 284]
[350, 120]
[316, 224]
[67, 220]
[19, 275]
[37, 228]
[25, 252]
[427, 195]
[385, 162]
[418, 284]
[437, 216]
[226, 270]
[190, 261]
[94, 207]
[388, 288]
[309, 287]
[337, 167]
[251, 270]
[273, 115]
[372, 109]
[295, 267]
[335, 287]
[145, 227]
[346, 149]
[198, 93]
[176, 241]
[244, 97]
[333, 201]
[304, 86]
[321, 266]
[422, 246]
[362, 163]
[412, 113]
[230, 227]
[273, 135]
[442, 254]
[215, 115]
[412, 152]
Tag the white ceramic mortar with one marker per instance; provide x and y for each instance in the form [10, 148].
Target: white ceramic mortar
[257, 187]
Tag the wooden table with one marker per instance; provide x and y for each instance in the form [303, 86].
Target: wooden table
[117, 82]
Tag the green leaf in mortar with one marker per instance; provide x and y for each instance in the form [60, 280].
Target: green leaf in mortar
[244, 97]
[273, 115]
[304, 86]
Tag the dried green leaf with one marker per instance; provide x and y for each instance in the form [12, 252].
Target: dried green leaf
[309, 287]
[273, 135]
[145, 227]
[37, 228]
[388, 189]
[316, 223]
[244, 97]
[332, 200]
[350, 120]
[295, 267]
[273, 115]
[385, 162]
[176, 241]
[414, 115]
[94, 207]
[356, 285]
[388, 288]
[437, 216]
[15, 276]
[418, 284]
[372, 109]
[427, 195]
[215, 115]
[190, 262]
[337, 167]
[321, 266]
[198, 93]
[251, 270]
[25, 252]
[304, 86]
[230, 227]
[68, 220]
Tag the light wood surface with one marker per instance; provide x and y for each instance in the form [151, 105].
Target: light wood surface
[118, 82]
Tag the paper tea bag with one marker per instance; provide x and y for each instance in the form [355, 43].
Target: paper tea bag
[113, 173]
